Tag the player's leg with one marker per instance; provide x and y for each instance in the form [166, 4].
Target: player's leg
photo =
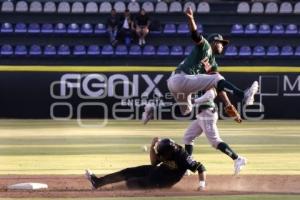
[194, 130]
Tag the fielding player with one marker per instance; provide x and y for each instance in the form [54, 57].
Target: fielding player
[169, 161]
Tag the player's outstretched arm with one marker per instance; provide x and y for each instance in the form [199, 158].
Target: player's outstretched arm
[197, 38]
[153, 157]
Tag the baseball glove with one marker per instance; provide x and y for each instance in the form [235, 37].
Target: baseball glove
[232, 112]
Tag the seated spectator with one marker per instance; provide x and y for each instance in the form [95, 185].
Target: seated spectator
[126, 28]
[142, 23]
[112, 26]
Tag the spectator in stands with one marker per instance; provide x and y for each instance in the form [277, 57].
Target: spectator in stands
[142, 23]
[112, 26]
[126, 28]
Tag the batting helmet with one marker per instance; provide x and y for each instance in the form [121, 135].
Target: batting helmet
[166, 148]
[217, 37]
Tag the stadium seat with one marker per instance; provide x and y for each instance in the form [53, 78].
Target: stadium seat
[148, 6]
[237, 29]
[199, 28]
[107, 50]
[91, 7]
[297, 8]
[120, 6]
[183, 29]
[121, 50]
[20, 28]
[245, 51]
[287, 50]
[77, 7]
[35, 7]
[273, 50]
[257, 8]
[149, 50]
[271, 8]
[169, 29]
[93, 50]
[34, 28]
[264, 29]
[79, 50]
[297, 51]
[251, 29]
[47, 28]
[163, 50]
[105, 7]
[20, 50]
[259, 51]
[161, 7]
[231, 50]
[175, 6]
[133, 7]
[278, 29]
[7, 50]
[49, 7]
[64, 7]
[286, 7]
[63, 50]
[35, 50]
[176, 50]
[49, 50]
[243, 7]
[188, 49]
[21, 6]
[203, 7]
[189, 4]
[60, 28]
[7, 6]
[135, 50]
[100, 29]
[291, 29]
[6, 27]
[73, 28]
[86, 28]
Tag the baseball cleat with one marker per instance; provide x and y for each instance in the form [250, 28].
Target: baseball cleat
[239, 163]
[250, 92]
[202, 185]
[92, 178]
[148, 113]
[187, 173]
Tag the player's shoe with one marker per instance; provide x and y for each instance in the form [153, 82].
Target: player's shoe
[187, 173]
[239, 163]
[148, 113]
[250, 92]
[202, 185]
[92, 178]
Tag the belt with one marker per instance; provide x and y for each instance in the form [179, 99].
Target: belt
[213, 110]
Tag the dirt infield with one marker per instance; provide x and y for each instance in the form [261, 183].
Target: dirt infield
[78, 186]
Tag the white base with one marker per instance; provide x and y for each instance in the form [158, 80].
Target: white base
[28, 186]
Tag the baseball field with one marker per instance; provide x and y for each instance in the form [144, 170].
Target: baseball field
[57, 152]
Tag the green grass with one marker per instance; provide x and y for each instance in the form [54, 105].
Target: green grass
[51, 147]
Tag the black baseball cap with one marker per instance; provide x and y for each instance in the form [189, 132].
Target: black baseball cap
[217, 37]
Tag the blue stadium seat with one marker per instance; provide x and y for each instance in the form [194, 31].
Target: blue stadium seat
[7, 50]
[49, 7]
[259, 51]
[50, 50]
[188, 49]
[149, 50]
[245, 51]
[73, 28]
[297, 51]
[91, 7]
[176, 50]
[169, 29]
[47, 28]
[135, 50]
[278, 29]
[7, 6]
[100, 29]
[231, 50]
[251, 29]
[63, 50]
[273, 51]
[93, 50]
[34, 28]
[121, 50]
[183, 29]
[163, 50]
[237, 29]
[148, 6]
[20, 50]
[35, 50]
[291, 29]
[107, 50]
[86, 28]
[6, 28]
[287, 50]
[60, 28]
[175, 6]
[79, 50]
[264, 29]
[20, 28]
[161, 7]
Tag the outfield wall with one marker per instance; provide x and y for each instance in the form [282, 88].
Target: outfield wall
[120, 92]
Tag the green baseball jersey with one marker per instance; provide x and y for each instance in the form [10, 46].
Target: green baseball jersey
[192, 63]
